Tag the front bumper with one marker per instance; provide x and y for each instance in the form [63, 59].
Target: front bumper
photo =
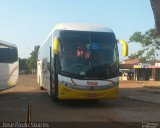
[65, 92]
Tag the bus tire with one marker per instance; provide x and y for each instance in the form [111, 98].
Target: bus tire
[55, 99]
[40, 87]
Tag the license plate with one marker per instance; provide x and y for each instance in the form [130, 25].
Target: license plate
[91, 95]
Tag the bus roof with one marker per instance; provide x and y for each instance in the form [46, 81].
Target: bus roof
[78, 27]
[82, 27]
[8, 44]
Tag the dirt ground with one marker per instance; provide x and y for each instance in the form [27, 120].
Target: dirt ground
[137, 102]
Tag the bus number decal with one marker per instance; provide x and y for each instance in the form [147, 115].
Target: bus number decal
[92, 83]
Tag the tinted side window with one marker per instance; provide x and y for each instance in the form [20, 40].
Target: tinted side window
[13, 55]
[8, 55]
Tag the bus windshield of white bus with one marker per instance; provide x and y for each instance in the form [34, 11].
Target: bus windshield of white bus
[8, 54]
[88, 54]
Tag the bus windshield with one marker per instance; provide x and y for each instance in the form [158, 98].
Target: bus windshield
[88, 54]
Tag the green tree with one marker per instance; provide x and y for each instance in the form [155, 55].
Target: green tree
[32, 60]
[23, 64]
[150, 42]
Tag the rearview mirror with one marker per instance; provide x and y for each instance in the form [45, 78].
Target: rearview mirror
[124, 46]
[56, 45]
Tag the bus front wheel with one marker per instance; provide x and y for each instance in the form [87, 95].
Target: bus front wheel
[40, 87]
[54, 98]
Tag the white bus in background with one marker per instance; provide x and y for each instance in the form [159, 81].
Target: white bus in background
[9, 65]
[80, 61]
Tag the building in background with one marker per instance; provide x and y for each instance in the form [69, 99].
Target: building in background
[132, 69]
[127, 70]
[147, 71]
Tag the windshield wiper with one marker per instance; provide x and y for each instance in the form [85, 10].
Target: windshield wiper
[70, 74]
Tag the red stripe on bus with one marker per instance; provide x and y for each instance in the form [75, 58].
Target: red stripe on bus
[110, 81]
[15, 68]
[73, 82]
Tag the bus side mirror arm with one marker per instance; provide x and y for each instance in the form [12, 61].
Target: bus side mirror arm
[124, 46]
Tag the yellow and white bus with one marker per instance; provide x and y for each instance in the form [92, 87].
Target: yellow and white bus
[80, 61]
[9, 65]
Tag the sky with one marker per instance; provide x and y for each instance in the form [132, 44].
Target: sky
[28, 22]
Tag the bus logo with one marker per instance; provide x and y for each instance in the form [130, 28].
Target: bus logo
[92, 83]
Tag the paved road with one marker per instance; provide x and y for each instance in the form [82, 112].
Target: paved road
[127, 108]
